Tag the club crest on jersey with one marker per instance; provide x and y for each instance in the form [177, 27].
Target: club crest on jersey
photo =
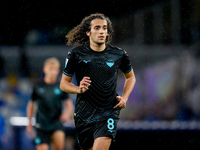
[110, 63]
[38, 141]
[41, 90]
[57, 91]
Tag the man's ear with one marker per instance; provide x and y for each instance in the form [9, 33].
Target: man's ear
[43, 69]
[88, 33]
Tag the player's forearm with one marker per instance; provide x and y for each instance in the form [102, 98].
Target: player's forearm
[69, 107]
[69, 87]
[128, 87]
[29, 110]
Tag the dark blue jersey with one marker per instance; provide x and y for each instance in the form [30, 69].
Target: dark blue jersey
[49, 99]
[102, 68]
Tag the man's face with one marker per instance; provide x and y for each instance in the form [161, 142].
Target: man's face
[52, 69]
[98, 32]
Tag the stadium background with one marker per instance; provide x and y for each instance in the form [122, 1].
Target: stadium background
[162, 40]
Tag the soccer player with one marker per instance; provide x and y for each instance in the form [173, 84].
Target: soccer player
[95, 64]
[49, 116]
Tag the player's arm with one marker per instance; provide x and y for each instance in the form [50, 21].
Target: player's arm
[128, 87]
[129, 84]
[68, 110]
[29, 111]
[69, 107]
[68, 87]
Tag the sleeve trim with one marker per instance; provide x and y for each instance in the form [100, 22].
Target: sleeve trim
[128, 70]
[67, 74]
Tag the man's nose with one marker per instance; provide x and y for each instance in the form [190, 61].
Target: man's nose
[102, 31]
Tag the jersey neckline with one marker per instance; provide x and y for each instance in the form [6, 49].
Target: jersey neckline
[96, 52]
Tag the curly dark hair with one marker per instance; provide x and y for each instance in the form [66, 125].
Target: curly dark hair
[77, 36]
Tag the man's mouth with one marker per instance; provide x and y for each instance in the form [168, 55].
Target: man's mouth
[101, 37]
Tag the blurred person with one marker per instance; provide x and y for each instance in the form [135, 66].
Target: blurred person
[95, 64]
[193, 97]
[24, 64]
[70, 143]
[2, 127]
[49, 116]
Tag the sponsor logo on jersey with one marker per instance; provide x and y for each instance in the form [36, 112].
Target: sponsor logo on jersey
[86, 61]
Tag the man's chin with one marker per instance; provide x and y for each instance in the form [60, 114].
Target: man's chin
[101, 42]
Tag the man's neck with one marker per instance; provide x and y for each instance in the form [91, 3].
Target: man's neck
[98, 47]
[49, 80]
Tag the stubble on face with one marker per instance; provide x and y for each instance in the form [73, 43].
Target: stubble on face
[98, 32]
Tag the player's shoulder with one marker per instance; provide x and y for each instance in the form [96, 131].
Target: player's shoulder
[115, 48]
[79, 48]
[38, 83]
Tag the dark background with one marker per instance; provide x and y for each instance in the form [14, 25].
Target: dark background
[18, 17]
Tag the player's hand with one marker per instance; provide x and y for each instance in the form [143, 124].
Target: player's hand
[122, 102]
[29, 128]
[64, 117]
[84, 84]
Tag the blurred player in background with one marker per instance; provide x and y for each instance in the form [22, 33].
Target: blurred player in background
[2, 128]
[49, 116]
[95, 64]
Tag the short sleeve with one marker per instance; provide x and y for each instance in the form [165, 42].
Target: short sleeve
[34, 95]
[125, 65]
[64, 96]
[70, 64]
